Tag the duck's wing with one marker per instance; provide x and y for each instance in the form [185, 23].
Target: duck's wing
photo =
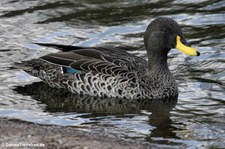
[106, 59]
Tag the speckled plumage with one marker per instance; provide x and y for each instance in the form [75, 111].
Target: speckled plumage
[108, 71]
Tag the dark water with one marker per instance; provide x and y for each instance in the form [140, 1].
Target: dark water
[198, 119]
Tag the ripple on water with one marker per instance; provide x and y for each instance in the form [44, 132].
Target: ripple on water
[196, 121]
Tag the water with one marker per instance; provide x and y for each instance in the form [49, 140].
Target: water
[198, 119]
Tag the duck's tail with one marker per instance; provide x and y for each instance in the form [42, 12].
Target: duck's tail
[27, 67]
[20, 65]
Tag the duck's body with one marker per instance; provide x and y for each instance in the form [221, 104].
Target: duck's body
[102, 71]
[111, 72]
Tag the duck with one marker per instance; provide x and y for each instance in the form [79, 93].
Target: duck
[108, 71]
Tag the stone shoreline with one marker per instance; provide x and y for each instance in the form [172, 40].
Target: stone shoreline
[20, 134]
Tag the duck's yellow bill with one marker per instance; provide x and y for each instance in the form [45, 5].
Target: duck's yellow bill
[186, 49]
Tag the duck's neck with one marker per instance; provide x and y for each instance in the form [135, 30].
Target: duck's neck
[157, 61]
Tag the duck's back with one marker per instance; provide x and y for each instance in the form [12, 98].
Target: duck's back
[97, 71]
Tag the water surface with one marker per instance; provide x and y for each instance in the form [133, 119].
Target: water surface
[196, 119]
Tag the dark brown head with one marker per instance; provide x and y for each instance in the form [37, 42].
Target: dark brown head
[163, 34]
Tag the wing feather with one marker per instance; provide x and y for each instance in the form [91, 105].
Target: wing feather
[108, 60]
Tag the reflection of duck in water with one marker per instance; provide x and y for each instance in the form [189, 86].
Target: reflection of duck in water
[63, 101]
[110, 72]
[58, 100]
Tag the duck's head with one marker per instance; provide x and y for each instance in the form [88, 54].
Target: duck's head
[164, 34]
